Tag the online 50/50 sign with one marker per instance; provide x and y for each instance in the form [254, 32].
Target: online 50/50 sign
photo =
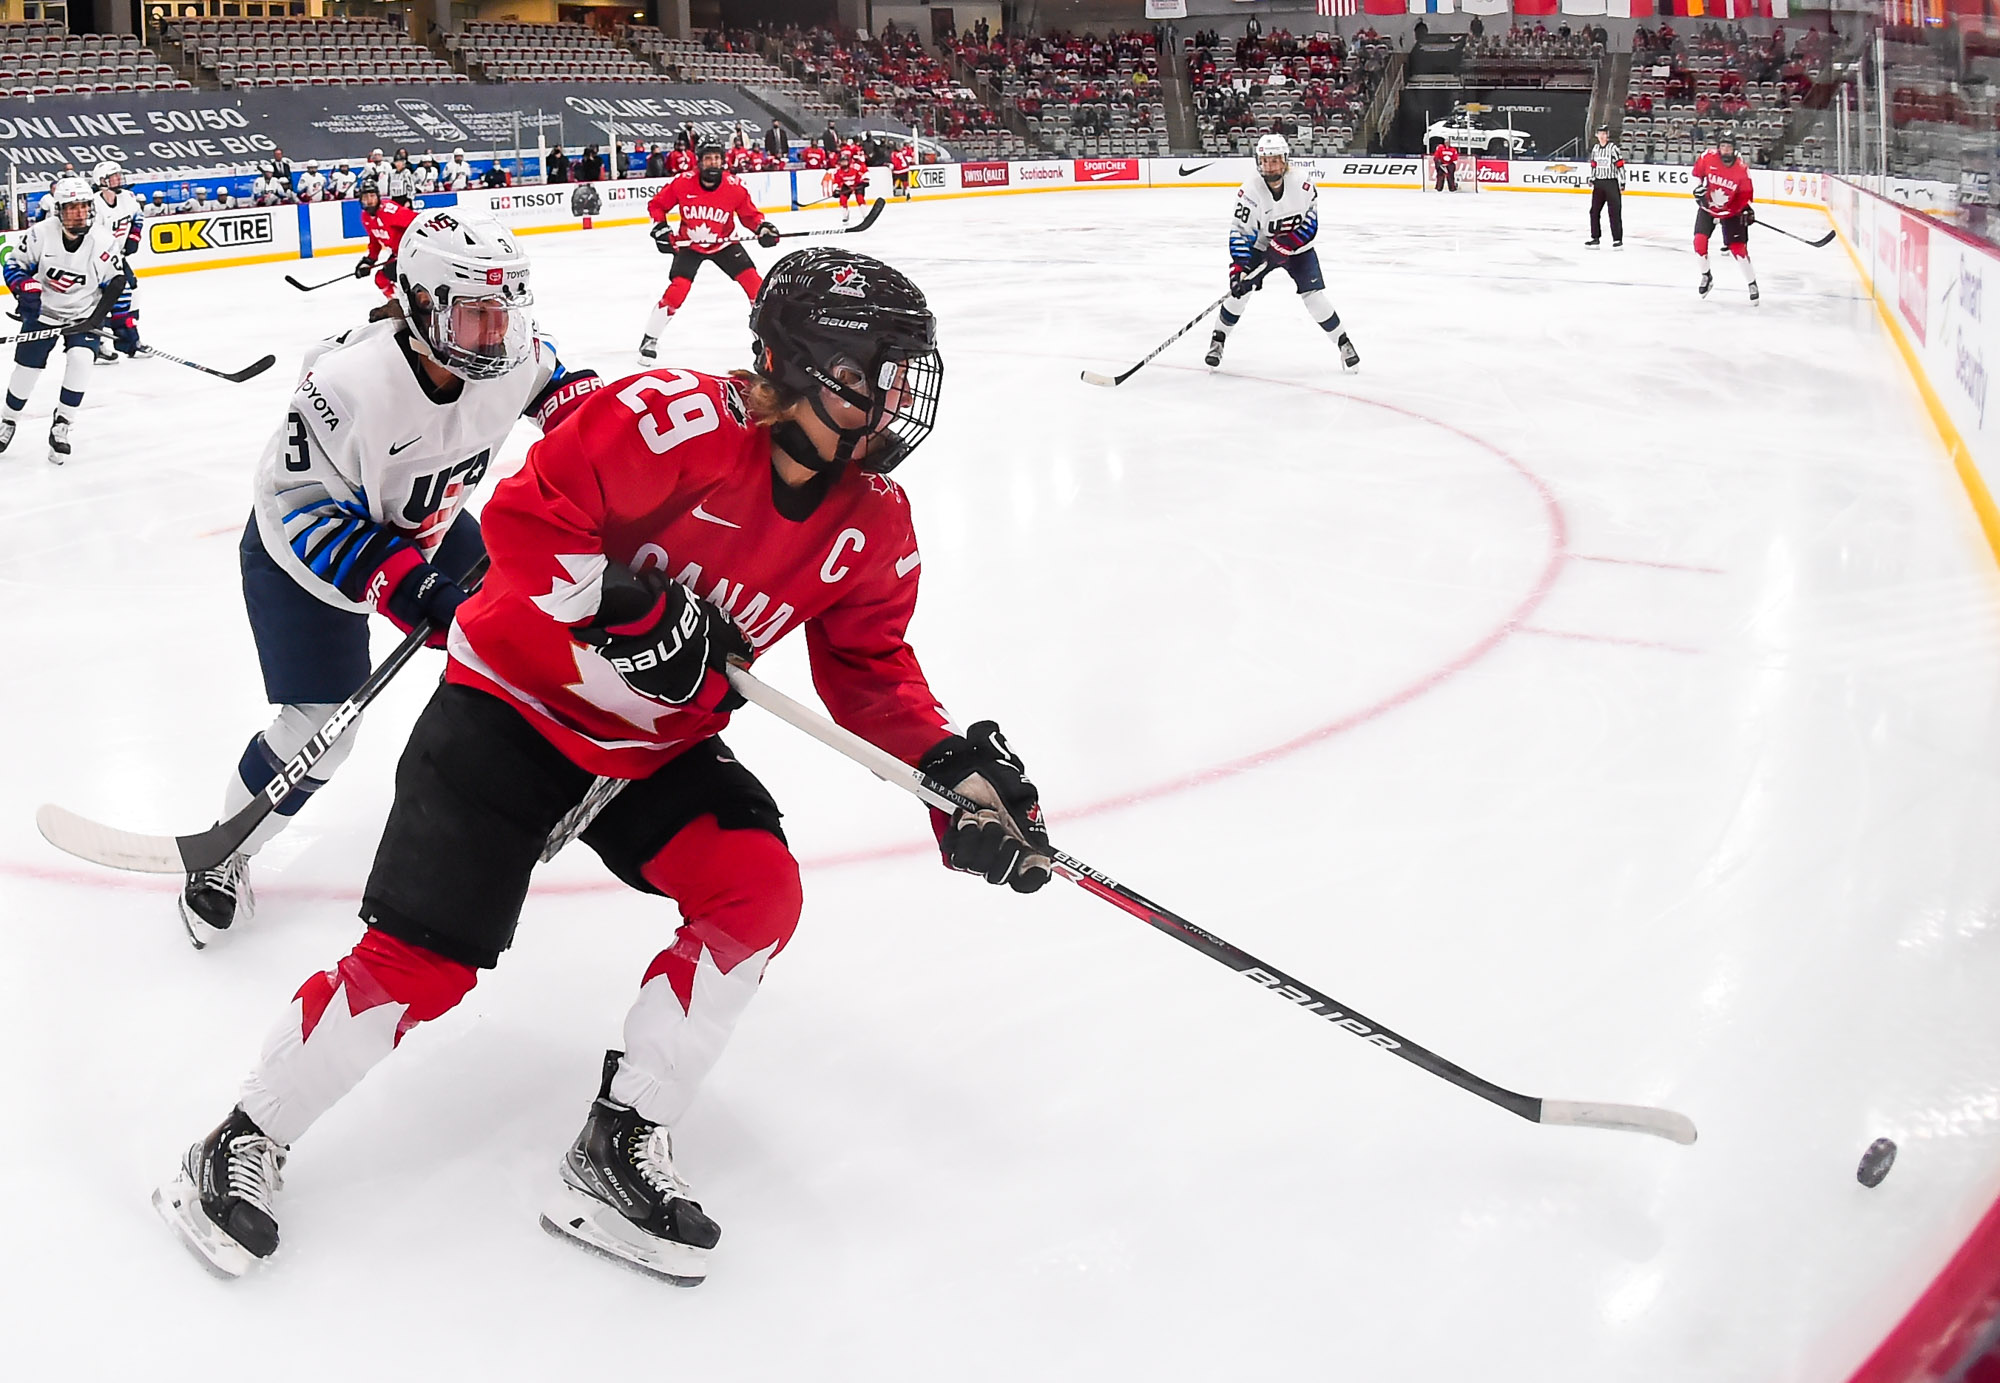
[182, 235]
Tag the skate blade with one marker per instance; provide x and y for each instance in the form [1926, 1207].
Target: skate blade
[593, 1225]
[180, 1207]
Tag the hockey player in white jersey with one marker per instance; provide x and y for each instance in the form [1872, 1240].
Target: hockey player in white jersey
[120, 211]
[65, 271]
[1273, 227]
[357, 500]
[312, 183]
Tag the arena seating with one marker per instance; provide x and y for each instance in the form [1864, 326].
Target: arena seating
[1687, 91]
[1077, 94]
[896, 77]
[42, 58]
[731, 59]
[505, 51]
[245, 53]
[1312, 88]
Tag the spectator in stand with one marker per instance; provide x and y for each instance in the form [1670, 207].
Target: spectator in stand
[557, 166]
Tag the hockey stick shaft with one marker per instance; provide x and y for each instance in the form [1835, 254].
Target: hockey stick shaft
[874, 214]
[1816, 243]
[250, 371]
[1112, 381]
[207, 849]
[315, 287]
[1631, 1118]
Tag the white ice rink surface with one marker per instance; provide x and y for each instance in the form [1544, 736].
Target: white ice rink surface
[1600, 689]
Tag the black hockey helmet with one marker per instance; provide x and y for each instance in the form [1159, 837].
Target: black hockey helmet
[848, 324]
[1725, 147]
[710, 145]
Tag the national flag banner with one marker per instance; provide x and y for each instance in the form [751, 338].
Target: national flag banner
[1334, 9]
[1684, 9]
[1483, 6]
[1384, 7]
[1432, 6]
[1534, 7]
[1629, 9]
[1586, 7]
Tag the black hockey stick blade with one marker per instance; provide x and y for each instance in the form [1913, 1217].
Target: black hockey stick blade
[250, 371]
[1661, 1123]
[1104, 381]
[874, 214]
[315, 287]
[1823, 240]
[188, 854]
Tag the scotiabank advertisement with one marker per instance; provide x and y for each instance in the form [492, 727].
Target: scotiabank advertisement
[1930, 279]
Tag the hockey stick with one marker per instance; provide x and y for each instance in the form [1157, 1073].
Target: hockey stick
[874, 214]
[1113, 381]
[1662, 1123]
[190, 854]
[315, 287]
[250, 371]
[1824, 240]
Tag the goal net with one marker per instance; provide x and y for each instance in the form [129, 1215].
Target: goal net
[1466, 171]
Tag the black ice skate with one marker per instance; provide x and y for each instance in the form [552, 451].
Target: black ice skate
[107, 354]
[1350, 358]
[621, 1197]
[59, 441]
[6, 433]
[649, 348]
[1215, 344]
[1707, 282]
[220, 1200]
[215, 899]
[1753, 292]
[1593, 242]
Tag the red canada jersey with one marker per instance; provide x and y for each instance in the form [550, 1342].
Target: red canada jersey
[680, 161]
[708, 219]
[813, 157]
[663, 472]
[1724, 187]
[1446, 154]
[385, 226]
[902, 159]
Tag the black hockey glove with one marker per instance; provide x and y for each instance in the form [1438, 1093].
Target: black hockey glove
[364, 268]
[768, 236]
[1749, 216]
[424, 593]
[663, 237]
[1241, 280]
[1004, 840]
[30, 300]
[667, 642]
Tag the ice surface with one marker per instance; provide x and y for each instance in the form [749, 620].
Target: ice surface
[1600, 689]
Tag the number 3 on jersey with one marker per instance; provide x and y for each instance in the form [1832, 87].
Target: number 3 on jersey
[297, 458]
[690, 416]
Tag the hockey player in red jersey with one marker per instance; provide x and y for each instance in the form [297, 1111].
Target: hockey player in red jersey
[676, 523]
[711, 203]
[901, 160]
[384, 221]
[680, 160]
[1444, 159]
[850, 176]
[1722, 194]
[813, 156]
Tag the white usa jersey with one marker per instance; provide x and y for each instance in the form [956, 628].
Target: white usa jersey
[70, 279]
[121, 217]
[1292, 218]
[369, 461]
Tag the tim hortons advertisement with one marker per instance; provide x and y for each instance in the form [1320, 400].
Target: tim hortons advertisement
[1492, 172]
[1089, 170]
[1913, 282]
[982, 174]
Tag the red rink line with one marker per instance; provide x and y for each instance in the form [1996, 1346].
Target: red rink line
[1512, 622]
[1606, 638]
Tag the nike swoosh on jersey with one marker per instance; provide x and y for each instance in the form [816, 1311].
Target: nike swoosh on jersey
[1188, 172]
[904, 565]
[707, 517]
[404, 446]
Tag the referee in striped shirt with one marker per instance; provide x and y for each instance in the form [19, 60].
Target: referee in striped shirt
[1607, 189]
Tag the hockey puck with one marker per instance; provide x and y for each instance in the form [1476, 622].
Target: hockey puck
[1876, 1162]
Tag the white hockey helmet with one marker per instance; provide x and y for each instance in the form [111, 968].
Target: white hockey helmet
[104, 172]
[70, 192]
[1273, 146]
[462, 282]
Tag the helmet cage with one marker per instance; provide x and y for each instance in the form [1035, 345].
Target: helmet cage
[464, 287]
